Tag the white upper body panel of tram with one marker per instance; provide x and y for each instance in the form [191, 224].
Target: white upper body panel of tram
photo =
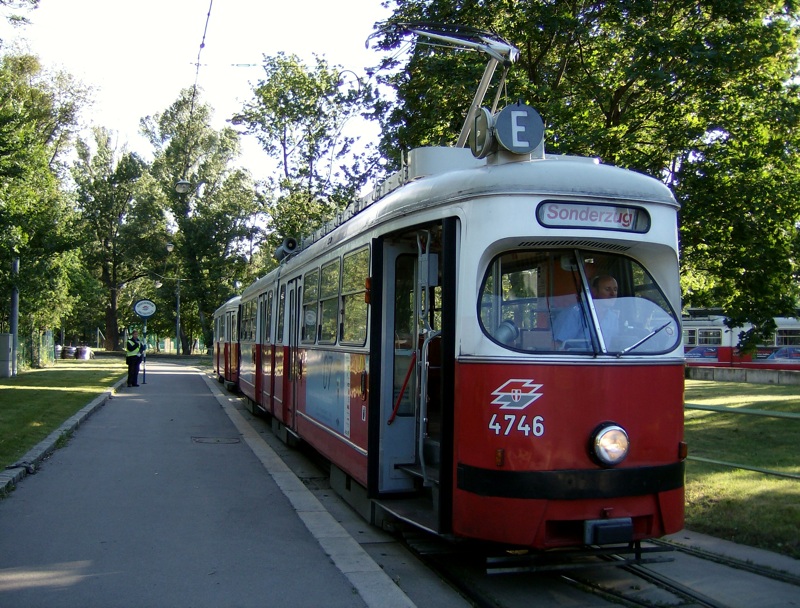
[435, 177]
[230, 305]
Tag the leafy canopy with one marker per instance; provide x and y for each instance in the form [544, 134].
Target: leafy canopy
[700, 95]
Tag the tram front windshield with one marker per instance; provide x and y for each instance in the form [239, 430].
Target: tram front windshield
[575, 302]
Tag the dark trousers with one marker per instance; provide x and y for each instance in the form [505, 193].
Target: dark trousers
[133, 370]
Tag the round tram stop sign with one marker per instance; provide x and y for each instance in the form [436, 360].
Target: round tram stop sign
[145, 308]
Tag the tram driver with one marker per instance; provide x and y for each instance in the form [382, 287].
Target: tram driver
[572, 325]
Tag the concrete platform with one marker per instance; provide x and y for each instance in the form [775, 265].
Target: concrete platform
[166, 496]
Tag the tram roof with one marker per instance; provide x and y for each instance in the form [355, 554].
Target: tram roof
[230, 304]
[438, 175]
[257, 286]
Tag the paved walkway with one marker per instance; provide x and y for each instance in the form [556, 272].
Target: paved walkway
[167, 497]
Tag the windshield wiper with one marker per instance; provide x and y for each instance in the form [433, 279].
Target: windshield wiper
[643, 340]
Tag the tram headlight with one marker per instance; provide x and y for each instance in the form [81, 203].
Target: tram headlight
[610, 444]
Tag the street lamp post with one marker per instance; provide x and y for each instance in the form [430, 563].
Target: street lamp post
[178, 317]
[170, 247]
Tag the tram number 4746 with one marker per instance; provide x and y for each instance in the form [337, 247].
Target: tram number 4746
[515, 423]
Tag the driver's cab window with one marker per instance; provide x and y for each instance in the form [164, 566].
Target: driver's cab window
[575, 301]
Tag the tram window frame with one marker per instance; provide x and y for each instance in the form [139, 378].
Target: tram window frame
[689, 336]
[787, 337]
[355, 309]
[328, 317]
[266, 316]
[281, 315]
[248, 321]
[308, 333]
[251, 321]
[709, 336]
[234, 327]
[254, 321]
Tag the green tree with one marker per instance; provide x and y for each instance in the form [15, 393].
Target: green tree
[36, 218]
[299, 113]
[121, 217]
[697, 94]
[215, 226]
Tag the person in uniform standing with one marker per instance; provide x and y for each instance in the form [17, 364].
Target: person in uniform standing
[134, 351]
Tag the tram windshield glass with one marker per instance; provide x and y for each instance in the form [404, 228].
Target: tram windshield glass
[576, 302]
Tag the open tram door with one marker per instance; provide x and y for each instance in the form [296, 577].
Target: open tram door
[416, 340]
[287, 366]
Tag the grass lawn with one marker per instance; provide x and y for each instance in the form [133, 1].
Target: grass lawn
[37, 402]
[744, 506]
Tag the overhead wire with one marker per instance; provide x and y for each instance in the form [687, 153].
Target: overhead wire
[198, 64]
[196, 80]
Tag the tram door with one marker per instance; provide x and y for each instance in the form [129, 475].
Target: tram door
[293, 364]
[279, 369]
[411, 344]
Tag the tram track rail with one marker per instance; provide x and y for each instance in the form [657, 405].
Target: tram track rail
[668, 584]
[466, 571]
[671, 585]
[731, 562]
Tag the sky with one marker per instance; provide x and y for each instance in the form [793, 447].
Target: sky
[139, 55]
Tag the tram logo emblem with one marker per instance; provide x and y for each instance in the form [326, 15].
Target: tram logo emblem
[516, 394]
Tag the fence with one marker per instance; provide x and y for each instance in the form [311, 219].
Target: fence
[744, 374]
[743, 412]
[36, 349]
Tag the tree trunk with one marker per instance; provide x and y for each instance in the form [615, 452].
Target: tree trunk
[112, 329]
[185, 345]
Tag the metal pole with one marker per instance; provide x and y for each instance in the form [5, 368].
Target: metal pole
[178, 319]
[14, 317]
[144, 355]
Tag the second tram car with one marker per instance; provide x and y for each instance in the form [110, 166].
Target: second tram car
[226, 342]
[447, 347]
[709, 341]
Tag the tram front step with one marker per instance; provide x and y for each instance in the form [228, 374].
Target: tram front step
[415, 470]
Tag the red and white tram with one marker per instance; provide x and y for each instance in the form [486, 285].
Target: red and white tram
[709, 341]
[226, 342]
[444, 346]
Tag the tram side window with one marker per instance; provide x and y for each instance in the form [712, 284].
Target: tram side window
[266, 318]
[248, 332]
[787, 337]
[251, 321]
[281, 313]
[310, 299]
[354, 305]
[709, 337]
[329, 302]
[690, 337]
[234, 333]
